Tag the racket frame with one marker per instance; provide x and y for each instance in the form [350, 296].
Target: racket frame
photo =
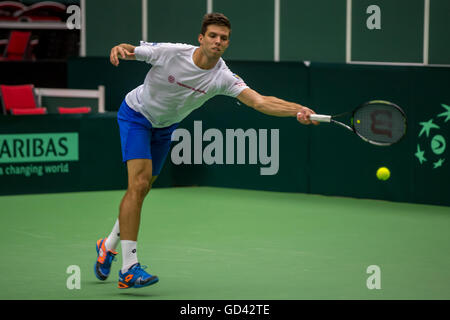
[351, 127]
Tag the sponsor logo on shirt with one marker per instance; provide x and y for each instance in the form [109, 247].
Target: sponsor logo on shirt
[172, 79]
[240, 84]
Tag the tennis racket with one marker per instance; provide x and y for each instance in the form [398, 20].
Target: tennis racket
[378, 122]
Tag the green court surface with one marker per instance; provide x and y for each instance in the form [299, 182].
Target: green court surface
[214, 243]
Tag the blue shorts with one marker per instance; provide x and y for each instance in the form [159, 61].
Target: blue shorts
[140, 140]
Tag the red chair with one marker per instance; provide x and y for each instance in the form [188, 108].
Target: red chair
[20, 111]
[38, 19]
[18, 46]
[77, 110]
[42, 11]
[19, 97]
[9, 8]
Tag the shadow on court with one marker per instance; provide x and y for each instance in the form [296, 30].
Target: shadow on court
[136, 294]
[98, 282]
[114, 292]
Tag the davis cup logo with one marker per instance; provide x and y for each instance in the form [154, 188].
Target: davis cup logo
[432, 144]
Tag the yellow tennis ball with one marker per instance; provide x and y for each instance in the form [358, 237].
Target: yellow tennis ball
[383, 173]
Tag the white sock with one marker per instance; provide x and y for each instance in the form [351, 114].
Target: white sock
[113, 238]
[129, 254]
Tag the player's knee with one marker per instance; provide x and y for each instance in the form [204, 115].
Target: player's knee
[140, 187]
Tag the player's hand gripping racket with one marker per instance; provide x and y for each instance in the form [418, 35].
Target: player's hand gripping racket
[378, 122]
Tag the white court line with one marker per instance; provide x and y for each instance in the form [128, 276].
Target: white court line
[83, 29]
[348, 33]
[144, 20]
[413, 64]
[276, 45]
[209, 6]
[426, 31]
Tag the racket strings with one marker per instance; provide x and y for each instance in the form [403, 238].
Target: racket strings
[380, 123]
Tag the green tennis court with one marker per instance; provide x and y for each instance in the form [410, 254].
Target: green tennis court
[216, 243]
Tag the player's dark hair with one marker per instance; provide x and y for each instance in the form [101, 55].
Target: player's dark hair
[216, 19]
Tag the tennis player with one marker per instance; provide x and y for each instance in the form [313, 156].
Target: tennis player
[182, 78]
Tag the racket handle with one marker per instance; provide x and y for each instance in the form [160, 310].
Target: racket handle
[320, 118]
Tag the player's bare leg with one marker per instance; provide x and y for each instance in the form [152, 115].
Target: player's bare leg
[139, 184]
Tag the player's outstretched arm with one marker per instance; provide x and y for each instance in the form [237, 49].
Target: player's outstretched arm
[274, 106]
[122, 51]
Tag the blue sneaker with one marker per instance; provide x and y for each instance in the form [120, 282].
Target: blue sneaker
[136, 277]
[105, 257]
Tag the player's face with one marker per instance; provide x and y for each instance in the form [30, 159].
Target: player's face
[215, 41]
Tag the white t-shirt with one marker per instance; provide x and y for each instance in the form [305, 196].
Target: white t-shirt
[175, 86]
